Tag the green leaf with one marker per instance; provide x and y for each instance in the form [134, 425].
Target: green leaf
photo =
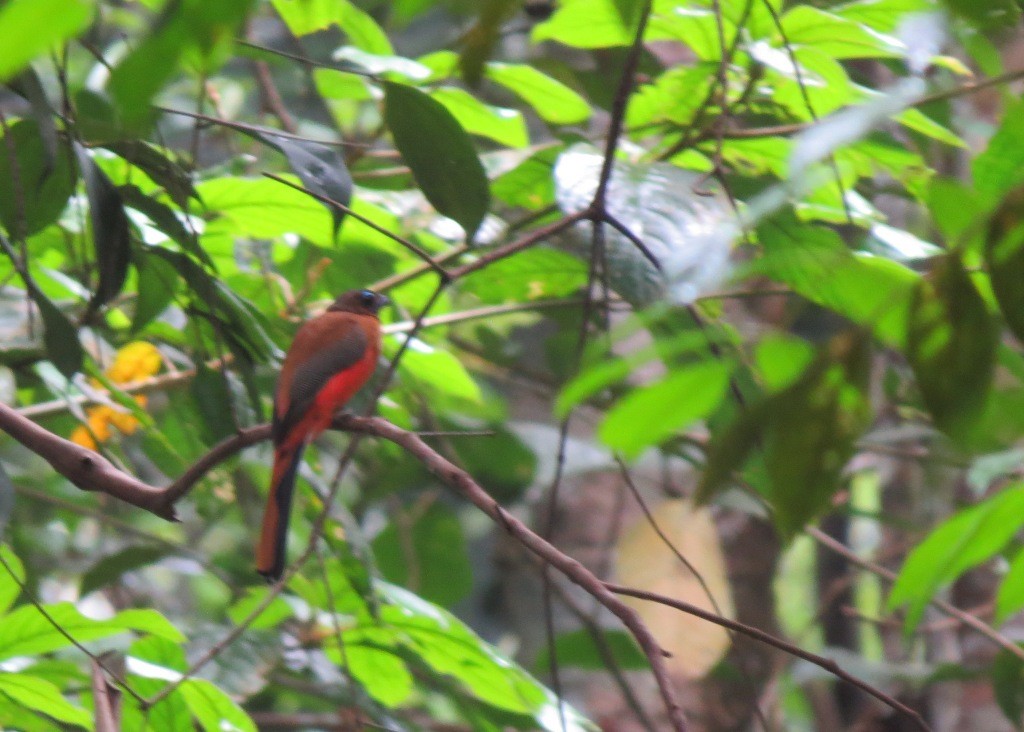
[10, 587]
[916, 120]
[213, 401]
[59, 336]
[215, 710]
[426, 553]
[837, 36]
[539, 273]
[1004, 257]
[605, 372]
[807, 432]
[109, 229]
[440, 154]
[436, 371]
[308, 16]
[273, 615]
[951, 345]
[264, 209]
[156, 285]
[969, 538]
[26, 632]
[649, 415]
[112, 567]
[200, 30]
[813, 260]
[32, 27]
[584, 24]
[504, 126]
[553, 101]
[1010, 597]
[43, 697]
[579, 649]
[34, 189]
[1008, 685]
[371, 658]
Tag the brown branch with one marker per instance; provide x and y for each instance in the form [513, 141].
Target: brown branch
[85, 469]
[964, 617]
[826, 663]
[271, 97]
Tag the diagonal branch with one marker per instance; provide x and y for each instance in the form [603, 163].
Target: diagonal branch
[826, 663]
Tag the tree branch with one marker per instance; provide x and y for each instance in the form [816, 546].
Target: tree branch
[826, 663]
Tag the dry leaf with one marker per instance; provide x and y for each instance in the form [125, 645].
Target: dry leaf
[646, 562]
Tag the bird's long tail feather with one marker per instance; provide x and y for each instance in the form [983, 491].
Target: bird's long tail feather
[270, 552]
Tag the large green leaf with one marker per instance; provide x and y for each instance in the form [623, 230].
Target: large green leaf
[440, 154]
[813, 260]
[969, 538]
[34, 187]
[42, 697]
[202, 30]
[214, 709]
[650, 414]
[308, 16]
[109, 229]
[951, 345]
[26, 632]
[32, 27]
[1004, 257]
[584, 24]
[427, 553]
[551, 99]
[504, 126]
[805, 431]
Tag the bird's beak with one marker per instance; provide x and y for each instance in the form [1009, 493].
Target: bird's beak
[382, 300]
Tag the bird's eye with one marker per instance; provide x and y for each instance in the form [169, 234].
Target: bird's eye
[367, 298]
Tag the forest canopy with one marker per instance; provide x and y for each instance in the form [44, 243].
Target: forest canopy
[701, 395]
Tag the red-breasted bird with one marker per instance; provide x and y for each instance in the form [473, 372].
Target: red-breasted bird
[331, 357]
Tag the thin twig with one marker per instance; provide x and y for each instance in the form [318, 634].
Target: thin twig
[966, 618]
[826, 663]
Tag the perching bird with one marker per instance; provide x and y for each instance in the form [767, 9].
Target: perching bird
[331, 357]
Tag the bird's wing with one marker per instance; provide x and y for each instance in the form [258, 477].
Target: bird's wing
[318, 354]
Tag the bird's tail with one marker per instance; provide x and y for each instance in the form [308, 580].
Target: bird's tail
[270, 552]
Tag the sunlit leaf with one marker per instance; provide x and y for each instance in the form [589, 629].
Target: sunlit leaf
[969, 538]
[504, 126]
[584, 24]
[650, 414]
[32, 27]
[43, 697]
[552, 100]
[26, 632]
[214, 709]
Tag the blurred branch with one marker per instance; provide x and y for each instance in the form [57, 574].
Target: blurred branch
[964, 617]
[826, 663]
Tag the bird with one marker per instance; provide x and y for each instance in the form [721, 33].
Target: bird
[330, 359]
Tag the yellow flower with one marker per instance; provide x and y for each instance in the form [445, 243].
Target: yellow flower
[136, 360]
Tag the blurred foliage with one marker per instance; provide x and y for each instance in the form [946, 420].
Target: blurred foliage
[798, 148]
